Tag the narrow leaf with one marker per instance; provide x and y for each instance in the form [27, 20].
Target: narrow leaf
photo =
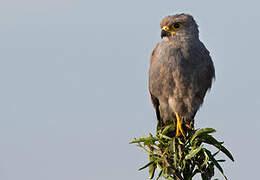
[211, 140]
[166, 175]
[175, 152]
[215, 162]
[164, 136]
[145, 166]
[159, 175]
[143, 139]
[206, 159]
[168, 128]
[192, 153]
[174, 144]
[202, 131]
[152, 168]
[216, 153]
[159, 166]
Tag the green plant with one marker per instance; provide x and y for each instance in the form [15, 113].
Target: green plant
[181, 158]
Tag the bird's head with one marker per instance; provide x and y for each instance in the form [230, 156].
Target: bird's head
[180, 26]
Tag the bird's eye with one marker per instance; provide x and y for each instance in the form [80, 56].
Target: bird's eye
[177, 26]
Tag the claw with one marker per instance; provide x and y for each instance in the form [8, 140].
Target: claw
[188, 126]
[179, 129]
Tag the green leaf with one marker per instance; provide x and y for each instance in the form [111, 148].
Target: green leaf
[170, 178]
[159, 126]
[201, 132]
[166, 175]
[152, 168]
[174, 144]
[183, 165]
[216, 153]
[215, 162]
[210, 170]
[225, 151]
[186, 156]
[179, 140]
[212, 141]
[159, 175]
[175, 152]
[208, 173]
[159, 166]
[145, 166]
[192, 153]
[144, 139]
[206, 159]
[168, 128]
[164, 136]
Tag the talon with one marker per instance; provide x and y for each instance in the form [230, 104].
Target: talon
[179, 129]
[188, 126]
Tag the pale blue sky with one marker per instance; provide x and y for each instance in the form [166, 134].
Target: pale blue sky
[74, 89]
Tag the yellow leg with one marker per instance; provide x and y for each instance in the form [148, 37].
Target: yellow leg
[179, 129]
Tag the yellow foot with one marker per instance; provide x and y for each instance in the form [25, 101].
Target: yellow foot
[179, 129]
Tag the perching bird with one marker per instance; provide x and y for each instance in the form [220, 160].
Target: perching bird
[181, 72]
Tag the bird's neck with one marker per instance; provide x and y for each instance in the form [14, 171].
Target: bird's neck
[181, 42]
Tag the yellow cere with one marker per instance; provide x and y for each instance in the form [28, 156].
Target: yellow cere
[166, 28]
[175, 27]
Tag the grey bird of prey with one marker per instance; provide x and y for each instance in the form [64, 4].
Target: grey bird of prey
[181, 72]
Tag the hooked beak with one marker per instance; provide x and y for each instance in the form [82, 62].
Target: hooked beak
[166, 31]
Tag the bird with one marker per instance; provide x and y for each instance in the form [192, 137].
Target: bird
[181, 72]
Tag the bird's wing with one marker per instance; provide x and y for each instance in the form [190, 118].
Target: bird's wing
[156, 105]
[206, 73]
[155, 100]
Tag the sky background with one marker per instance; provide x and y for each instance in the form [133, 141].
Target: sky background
[74, 85]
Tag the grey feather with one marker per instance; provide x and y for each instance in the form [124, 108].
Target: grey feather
[181, 71]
